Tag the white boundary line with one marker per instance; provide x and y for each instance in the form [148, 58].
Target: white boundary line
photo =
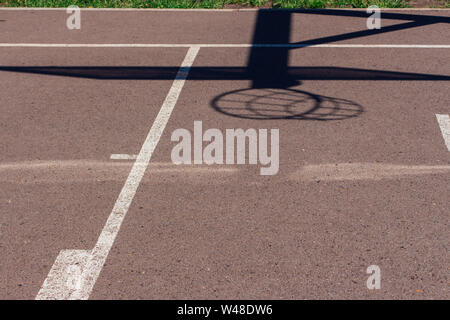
[217, 45]
[75, 272]
[444, 124]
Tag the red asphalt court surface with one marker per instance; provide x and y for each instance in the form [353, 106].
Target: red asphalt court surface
[364, 152]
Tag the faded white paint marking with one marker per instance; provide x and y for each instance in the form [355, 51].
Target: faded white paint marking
[56, 285]
[444, 124]
[85, 170]
[220, 45]
[365, 171]
[120, 156]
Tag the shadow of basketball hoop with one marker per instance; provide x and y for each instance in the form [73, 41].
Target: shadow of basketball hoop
[284, 103]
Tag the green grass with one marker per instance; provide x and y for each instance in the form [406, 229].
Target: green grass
[207, 3]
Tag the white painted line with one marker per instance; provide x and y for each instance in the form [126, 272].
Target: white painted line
[90, 263]
[119, 156]
[444, 124]
[219, 45]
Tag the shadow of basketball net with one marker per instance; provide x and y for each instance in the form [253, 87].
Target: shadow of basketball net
[284, 103]
[271, 94]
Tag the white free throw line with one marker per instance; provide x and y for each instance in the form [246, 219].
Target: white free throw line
[444, 124]
[75, 272]
[119, 156]
[219, 45]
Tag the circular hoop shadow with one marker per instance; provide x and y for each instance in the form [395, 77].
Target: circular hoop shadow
[283, 103]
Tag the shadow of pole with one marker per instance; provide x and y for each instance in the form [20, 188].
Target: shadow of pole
[268, 67]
